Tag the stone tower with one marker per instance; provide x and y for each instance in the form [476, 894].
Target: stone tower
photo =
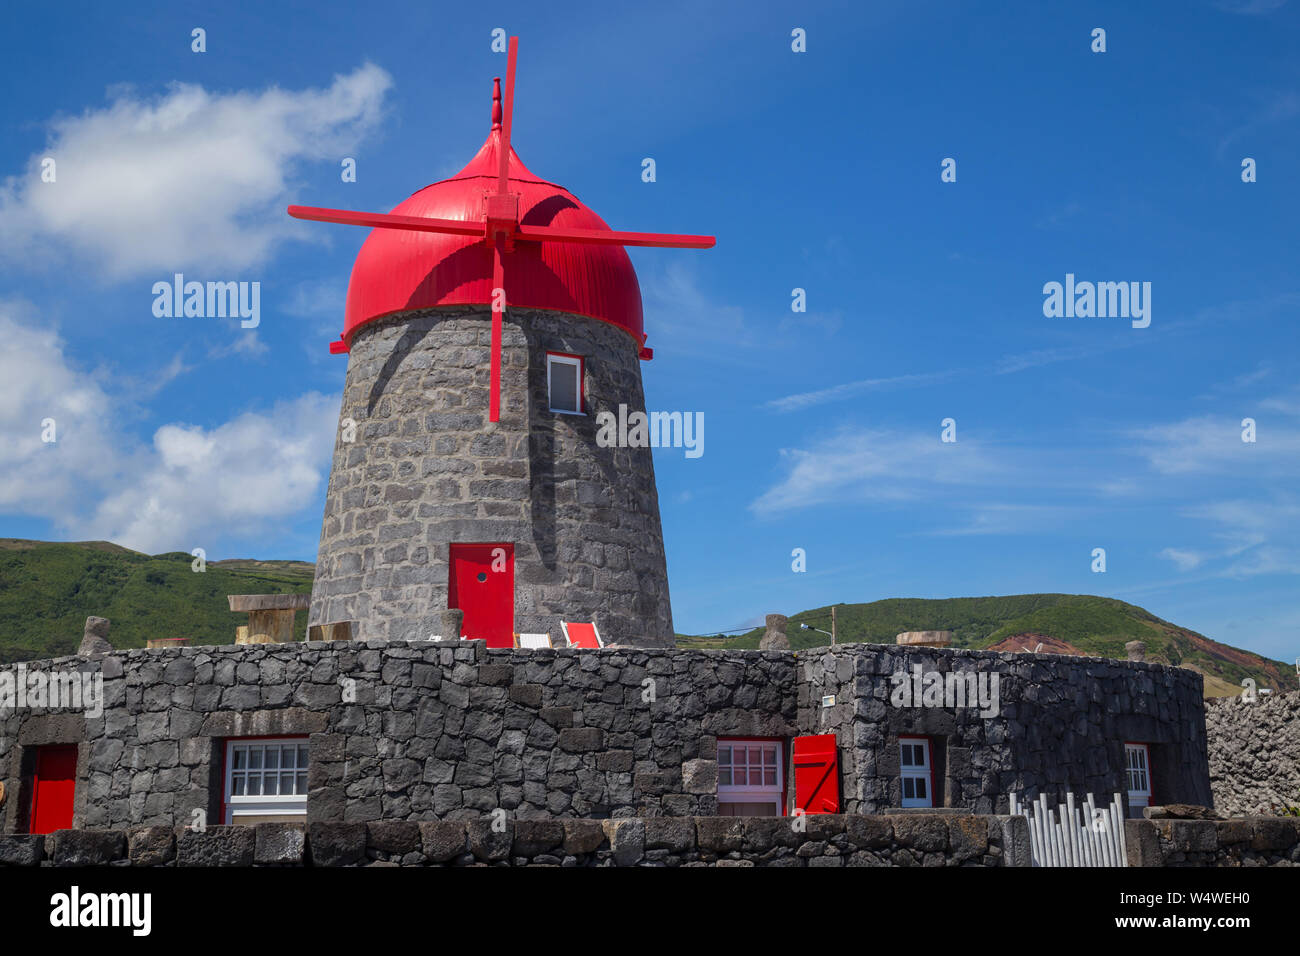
[523, 521]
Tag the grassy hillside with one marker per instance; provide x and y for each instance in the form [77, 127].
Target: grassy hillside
[1064, 623]
[47, 590]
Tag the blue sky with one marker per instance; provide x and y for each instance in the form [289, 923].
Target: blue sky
[817, 170]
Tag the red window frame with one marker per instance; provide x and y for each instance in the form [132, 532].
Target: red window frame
[582, 382]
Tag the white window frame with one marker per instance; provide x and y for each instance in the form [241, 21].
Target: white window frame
[913, 771]
[575, 362]
[773, 793]
[243, 805]
[1137, 769]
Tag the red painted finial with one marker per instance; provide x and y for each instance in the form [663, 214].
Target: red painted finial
[496, 102]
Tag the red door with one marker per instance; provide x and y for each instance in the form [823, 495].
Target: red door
[52, 788]
[816, 774]
[482, 584]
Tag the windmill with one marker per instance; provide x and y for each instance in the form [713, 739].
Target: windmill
[468, 473]
[499, 228]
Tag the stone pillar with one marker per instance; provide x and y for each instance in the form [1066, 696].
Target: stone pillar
[775, 638]
[453, 619]
[94, 639]
[418, 467]
[1137, 650]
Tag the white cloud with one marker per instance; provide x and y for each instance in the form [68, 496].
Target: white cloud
[879, 465]
[35, 476]
[1212, 444]
[1186, 560]
[248, 344]
[188, 179]
[190, 487]
[1257, 536]
[196, 485]
[802, 400]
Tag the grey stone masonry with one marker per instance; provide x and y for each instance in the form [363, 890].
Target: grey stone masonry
[1255, 752]
[929, 840]
[1246, 841]
[426, 469]
[829, 840]
[1060, 725]
[424, 730]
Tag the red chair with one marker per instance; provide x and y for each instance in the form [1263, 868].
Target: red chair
[582, 635]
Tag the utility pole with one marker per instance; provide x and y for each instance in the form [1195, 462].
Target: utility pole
[832, 625]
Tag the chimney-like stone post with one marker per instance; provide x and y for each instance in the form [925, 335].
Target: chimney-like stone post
[774, 639]
[94, 639]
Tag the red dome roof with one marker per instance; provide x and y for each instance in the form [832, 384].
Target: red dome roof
[399, 269]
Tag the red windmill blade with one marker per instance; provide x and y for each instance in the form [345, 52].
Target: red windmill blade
[500, 226]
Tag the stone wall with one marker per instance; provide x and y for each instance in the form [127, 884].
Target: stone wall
[427, 469]
[1248, 841]
[1254, 752]
[411, 730]
[427, 730]
[900, 840]
[1061, 725]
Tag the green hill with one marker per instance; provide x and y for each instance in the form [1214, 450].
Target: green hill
[1063, 623]
[47, 590]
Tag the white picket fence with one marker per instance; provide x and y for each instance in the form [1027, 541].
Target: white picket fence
[1086, 835]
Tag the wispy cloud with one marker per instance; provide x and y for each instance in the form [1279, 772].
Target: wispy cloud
[794, 403]
[873, 465]
[683, 318]
[1184, 559]
[1212, 444]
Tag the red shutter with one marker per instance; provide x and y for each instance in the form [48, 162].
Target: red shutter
[816, 774]
[52, 788]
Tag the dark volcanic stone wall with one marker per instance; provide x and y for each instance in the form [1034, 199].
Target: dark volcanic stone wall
[427, 730]
[1061, 726]
[822, 841]
[427, 468]
[1255, 752]
[411, 731]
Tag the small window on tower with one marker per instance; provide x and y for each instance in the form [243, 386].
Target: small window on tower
[564, 382]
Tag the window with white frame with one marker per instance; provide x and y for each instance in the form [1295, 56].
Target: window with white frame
[916, 771]
[564, 383]
[1138, 770]
[750, 778]
[266, 780]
